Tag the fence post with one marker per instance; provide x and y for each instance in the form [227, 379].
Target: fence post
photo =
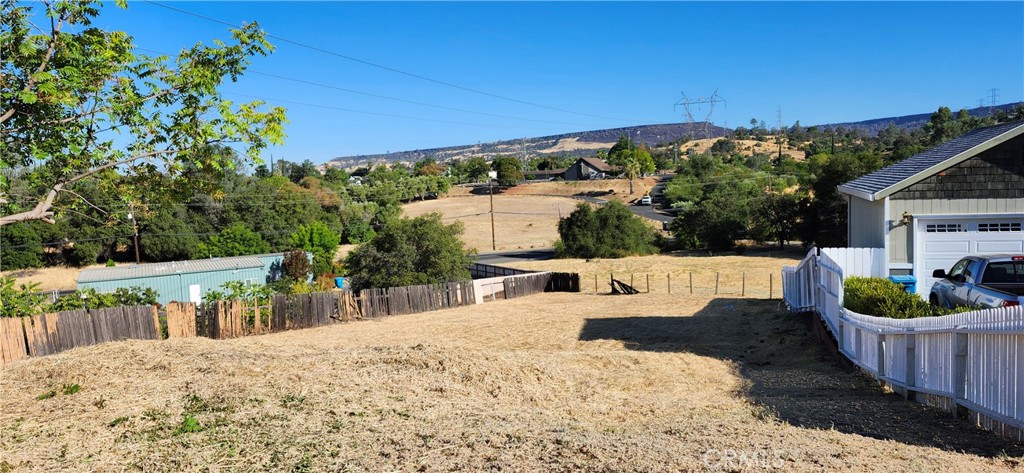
[880, 353]
[716, 283]
[691, 283]
[670, 283]
[911, 374]
[743, 287]
[595, 284]
[648, 283]
[959, 368]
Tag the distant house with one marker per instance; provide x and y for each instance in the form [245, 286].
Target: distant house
[590, 168]
[544, 174]
[185, 281]
[962, 197]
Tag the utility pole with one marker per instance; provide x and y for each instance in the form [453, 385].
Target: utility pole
[135, 229]
[490, 188]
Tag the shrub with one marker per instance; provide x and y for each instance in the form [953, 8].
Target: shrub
[19, 300]
[405, 252]
[611, 231]
[297, 266]
[881, 297]
[91, 299]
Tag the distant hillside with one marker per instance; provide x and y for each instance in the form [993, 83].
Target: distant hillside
[584, 143]
[910, 122]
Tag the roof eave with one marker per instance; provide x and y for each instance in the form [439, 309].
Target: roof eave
[948, 163]
[843, 189]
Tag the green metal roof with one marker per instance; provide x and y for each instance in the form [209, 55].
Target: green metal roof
[169, 268]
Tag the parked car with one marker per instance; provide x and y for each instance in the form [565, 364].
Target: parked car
[645, 200]
[980, 281]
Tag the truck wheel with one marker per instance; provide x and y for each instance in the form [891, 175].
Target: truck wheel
[933, 299]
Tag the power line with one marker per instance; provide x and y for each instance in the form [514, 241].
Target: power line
[414, 102]
[329, 107]
[385, 97]
[391, 69]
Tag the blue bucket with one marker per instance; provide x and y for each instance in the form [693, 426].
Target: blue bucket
[339, 282]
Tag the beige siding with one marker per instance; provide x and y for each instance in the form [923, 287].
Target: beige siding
[901, 248]
[866, 224]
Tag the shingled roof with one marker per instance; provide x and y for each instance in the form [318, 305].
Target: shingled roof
[893, 178]
[600, 165]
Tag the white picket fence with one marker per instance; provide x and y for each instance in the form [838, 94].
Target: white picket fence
[973, 360]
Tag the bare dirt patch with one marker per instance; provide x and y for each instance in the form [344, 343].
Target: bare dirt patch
[562, 382]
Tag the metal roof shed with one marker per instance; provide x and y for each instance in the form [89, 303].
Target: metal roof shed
[185, 281]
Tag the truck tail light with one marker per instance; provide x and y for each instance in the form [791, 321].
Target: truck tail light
[1011, 303]
[1017, 258]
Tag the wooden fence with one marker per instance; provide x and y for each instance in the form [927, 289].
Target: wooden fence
[483, 271]
[46, 334]
[527, 284]
[972, 360]
[238, 318]
[380, 302]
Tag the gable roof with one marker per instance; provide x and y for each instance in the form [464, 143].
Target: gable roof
[598, 164]
[170, 267]
[893, 178]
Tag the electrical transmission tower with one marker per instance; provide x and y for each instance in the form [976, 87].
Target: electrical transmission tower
[690, 105]
[993, 99]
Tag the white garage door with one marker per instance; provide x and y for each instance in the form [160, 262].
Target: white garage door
[941, 243]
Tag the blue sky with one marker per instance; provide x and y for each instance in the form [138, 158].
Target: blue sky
[601, 65]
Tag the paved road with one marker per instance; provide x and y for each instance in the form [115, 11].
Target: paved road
[646, 211]
[512, 256]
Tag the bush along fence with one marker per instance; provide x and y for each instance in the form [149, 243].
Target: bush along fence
[970, 363]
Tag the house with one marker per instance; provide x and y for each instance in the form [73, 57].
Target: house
[965, 196]
[545, 174]
[185, 281]
[589, 168]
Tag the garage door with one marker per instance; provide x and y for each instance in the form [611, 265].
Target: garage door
[941, 243]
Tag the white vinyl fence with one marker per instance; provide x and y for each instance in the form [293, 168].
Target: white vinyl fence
[973, 360]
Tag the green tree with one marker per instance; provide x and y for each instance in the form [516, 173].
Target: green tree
[235, 240]
[319, 239]
[21, 246]
[405, 252]
[165, 237]
[81, 103]
[510, 170]
[617, 154]
[631, 170]
[775, 217]
[611, 231]
[473, 169]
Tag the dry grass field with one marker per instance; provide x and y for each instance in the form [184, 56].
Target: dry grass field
[608, 189]
[749, 147]
[49, 279]
[750, 276]
[520, 221]
[526, 216]
[553, 382]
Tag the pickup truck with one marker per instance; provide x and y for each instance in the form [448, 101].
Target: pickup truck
[980, 281]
